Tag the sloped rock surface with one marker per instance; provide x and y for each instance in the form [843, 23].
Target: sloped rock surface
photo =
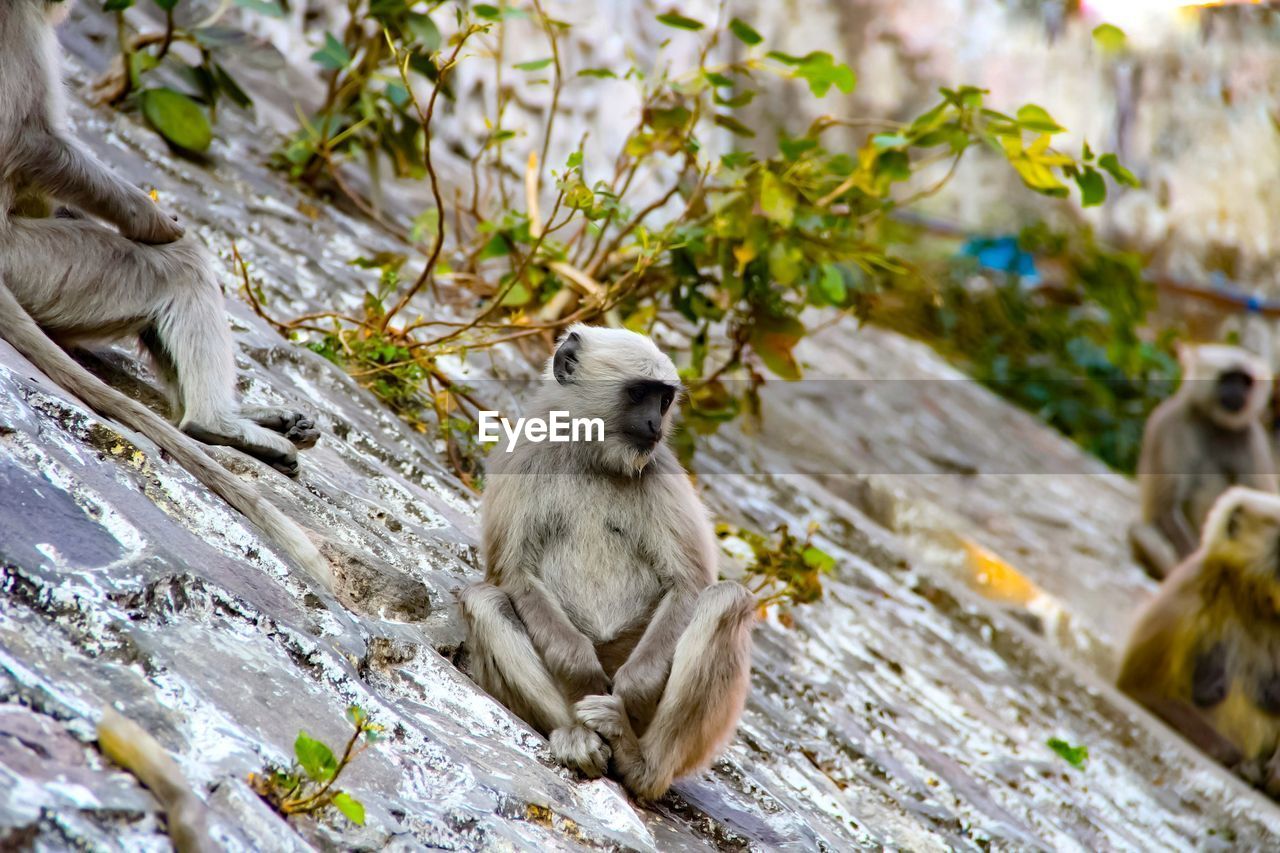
[899, 711]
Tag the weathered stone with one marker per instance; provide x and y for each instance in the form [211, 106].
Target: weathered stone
[901, 710]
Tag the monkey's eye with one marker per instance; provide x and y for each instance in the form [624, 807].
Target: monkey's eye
[637, 394]
[668, 397]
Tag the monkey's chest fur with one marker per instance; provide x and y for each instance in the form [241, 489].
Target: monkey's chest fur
[606, 557]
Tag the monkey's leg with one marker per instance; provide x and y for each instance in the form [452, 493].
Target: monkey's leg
[710, 676]
[81, 280]
[505, 663]
[1152, 550]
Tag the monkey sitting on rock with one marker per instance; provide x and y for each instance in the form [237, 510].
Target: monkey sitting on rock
[125, 270]
[599, 620]
[1204, 439]
[1205, 653]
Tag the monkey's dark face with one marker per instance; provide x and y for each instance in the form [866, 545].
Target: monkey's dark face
[643, 412]
[622, 379]
[1233, 391]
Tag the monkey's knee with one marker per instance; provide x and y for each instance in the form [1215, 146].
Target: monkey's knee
[726, 607]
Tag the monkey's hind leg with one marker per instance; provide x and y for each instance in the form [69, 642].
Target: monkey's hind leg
[189, 340]
[505, 663]
[699, 709]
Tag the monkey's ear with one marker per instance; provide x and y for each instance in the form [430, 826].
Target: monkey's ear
[566, 361]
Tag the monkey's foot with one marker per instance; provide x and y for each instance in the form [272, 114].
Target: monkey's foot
[581, 749]
[295, 426]
[248, 437]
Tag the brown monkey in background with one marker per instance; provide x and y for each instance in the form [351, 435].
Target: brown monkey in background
[1204, 439]
[1205, 653]
[599, 620]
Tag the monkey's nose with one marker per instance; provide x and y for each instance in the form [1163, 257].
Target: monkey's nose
[653, 428]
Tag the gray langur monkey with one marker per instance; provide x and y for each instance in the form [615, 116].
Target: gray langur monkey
[1204, 439]
[600, 621]
[79, 280]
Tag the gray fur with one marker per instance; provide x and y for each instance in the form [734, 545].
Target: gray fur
[80, 280]
[1193, 451]
[599, 616]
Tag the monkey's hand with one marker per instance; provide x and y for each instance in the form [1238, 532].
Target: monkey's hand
[145, 222]
[639, 684]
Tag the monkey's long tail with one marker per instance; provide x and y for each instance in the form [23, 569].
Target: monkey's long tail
[20, 330]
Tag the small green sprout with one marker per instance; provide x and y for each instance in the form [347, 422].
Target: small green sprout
[307, 786]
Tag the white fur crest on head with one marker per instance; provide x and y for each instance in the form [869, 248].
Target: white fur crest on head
[1256, 503]
[1209, 361]
[616, 354]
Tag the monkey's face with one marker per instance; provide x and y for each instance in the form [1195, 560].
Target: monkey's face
[1227, 384]
[622, 379]
[642, 413]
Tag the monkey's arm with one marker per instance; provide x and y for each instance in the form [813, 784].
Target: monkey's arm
[567, 652]
[641, 679]
[57, 164]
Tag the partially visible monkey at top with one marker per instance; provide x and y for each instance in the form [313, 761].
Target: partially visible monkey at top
[1204, 439]
[1205, 652]
[128, 272]
[599, 620]
[83, 281]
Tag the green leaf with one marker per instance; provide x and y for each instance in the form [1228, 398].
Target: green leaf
[177, 118]
[333, 55]
[166, 5]
[1109, 37]
[1111, 164]
[889, 140]
[680, 22]
[734, 126]
[1093, 189]
[816, 558]
[821, 72]
[744, 32]
[355, 714]
[777, 200]
[485, 10]
[270, 8]
[424, 29]
[1076, 756]
[1038, 119]
[535, 65]
[772, 339]
[315, 759]
[231, 88]
[116, 5]
[600, 73]
[352, 808]
[832, 284]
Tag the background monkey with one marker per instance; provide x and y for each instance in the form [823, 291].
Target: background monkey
[1205, 653]
[599, 620]
[80, 280]
[1204, 439]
